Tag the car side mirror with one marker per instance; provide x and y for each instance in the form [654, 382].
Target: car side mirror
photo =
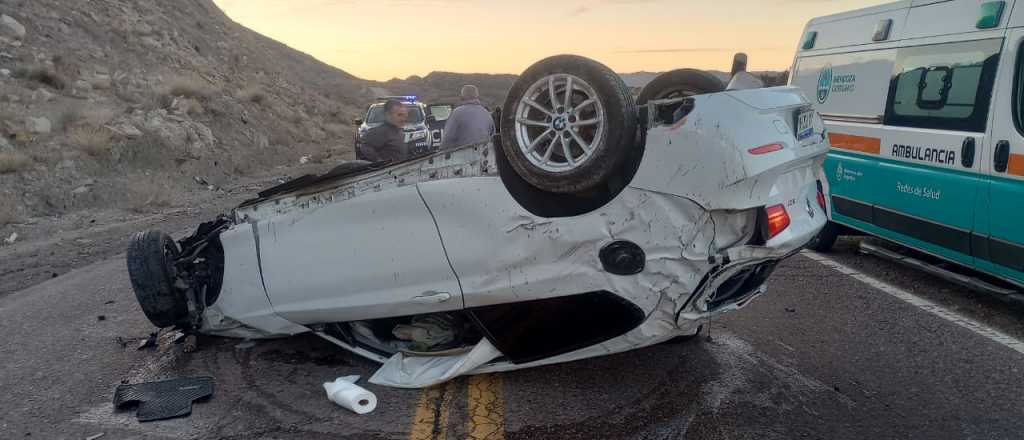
[431, 119]
[358, 121]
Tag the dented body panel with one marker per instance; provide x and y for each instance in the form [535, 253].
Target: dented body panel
[443, 233]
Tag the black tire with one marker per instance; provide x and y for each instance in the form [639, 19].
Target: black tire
[679, 83]
[825, 239]
[150, 268]
[609, 150]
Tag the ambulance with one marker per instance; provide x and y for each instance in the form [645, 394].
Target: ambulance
[923, 102]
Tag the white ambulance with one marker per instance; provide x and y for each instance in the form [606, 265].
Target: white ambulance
[922, 101]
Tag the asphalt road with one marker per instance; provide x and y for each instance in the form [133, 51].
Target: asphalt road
[822, 356]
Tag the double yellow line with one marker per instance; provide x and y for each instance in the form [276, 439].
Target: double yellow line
[485, 405]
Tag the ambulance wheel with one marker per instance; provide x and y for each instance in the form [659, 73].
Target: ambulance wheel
[680, 83]
[825, 239]
[151, 256]
[568, 124]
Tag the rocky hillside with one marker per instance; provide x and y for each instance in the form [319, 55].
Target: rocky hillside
[123, 104]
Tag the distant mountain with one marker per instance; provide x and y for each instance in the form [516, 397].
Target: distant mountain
[444, 86]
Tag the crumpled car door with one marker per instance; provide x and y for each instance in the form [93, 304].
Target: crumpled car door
[374, 256]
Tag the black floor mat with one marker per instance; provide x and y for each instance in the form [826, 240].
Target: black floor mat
[164, 399]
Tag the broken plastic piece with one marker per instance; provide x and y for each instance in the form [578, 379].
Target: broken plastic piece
[403, 371]
[164, 399]
[347, 394]
[149, 342]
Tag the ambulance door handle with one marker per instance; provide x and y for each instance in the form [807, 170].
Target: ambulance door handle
[967, 153]
[1002, 156]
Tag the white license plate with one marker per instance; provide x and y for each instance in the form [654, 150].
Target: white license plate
[804, 124]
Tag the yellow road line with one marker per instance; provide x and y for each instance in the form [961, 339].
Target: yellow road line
[486, 408]
[431, 419]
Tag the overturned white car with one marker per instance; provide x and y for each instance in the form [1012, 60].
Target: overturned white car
[588, 226]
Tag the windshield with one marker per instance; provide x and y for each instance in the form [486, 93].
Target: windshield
[376, 114]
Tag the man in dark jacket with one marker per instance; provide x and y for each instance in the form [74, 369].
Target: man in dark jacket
[386, 142]
[469, 123]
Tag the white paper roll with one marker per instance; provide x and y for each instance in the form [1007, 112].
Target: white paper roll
[346, 393]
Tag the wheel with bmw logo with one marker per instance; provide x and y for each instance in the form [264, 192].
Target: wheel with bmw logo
[568, 125]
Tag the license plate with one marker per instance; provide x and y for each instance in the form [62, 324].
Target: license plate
[804, 124]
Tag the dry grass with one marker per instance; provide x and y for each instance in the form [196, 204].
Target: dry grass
[13, 161]
[147, 195]
[92, 140]
[8, 210]
[68, 117]
[148, 152]
[337, 130]
[188, 86]
[97, 116]
[253, 94]
[74, 116]
[41, 74]
[189, 106]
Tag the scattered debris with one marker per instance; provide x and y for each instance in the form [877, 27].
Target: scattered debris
[427, 331]
[303, 160]
[148, 342]
[101, 318]
[191, 343]
[12, 238]
[95, 436]
[200, 181]
[164, 399]
[344, 392]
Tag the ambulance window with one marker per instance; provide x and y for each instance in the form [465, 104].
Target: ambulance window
[945, 86]
[1018, 91]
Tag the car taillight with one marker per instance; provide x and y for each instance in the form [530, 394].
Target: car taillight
[765, 148]
[821, 197]
[778, 219]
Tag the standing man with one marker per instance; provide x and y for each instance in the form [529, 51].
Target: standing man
[469, 123]
[386, 142]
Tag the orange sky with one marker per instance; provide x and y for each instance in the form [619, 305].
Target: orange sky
[382, 39]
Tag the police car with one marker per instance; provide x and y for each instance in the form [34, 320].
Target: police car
[417, 133]
[922, 103]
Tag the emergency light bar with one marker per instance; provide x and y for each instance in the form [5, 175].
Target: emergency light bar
[407, 98]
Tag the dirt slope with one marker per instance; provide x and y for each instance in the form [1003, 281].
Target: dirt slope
[121, 104]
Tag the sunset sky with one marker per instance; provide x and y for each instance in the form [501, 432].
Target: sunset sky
[382, 39]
